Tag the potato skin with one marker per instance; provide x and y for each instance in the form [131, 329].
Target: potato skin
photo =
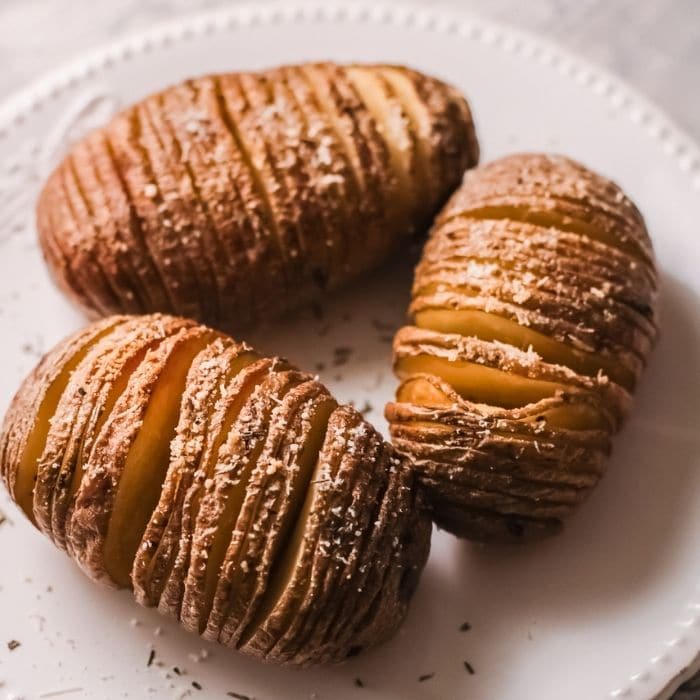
[539, 243]
[233, 198]
[334, 571]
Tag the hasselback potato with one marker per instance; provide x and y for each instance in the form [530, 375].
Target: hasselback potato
[232, 198]
[534, 312]
[230, 490]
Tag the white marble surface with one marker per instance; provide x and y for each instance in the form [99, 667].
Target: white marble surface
[654, 44]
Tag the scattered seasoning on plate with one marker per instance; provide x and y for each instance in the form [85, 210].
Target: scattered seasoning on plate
[465, 627]
[469, 668]
[177, 671]
[151, 658]
[425, 677]
[382, 325]
[13, 644]
[196, 686]
[359, 683]
[341, 355]
[320, 366]
[366, 408]
[3, 518]
[238, 696]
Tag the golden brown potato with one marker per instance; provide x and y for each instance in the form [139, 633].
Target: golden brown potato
[232, 198]
[534, 311]
[230, 490]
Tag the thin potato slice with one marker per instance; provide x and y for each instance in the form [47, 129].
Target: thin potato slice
[211, 373]
[37, 401]
[86, 404]
[492, 327]
[225, 490]
[141, 479]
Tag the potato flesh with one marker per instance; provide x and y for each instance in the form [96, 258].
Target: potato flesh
[388, 115]
[142, 479]
[487, 326]
[27, 470]
[495, 387]
[116, 390]
[417, 113]
[292, 533]
[553, 219]
[480, 383]
[234, 497]
[421, 392]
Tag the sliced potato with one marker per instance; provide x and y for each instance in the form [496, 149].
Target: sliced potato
[179, 463]
[234, 198]
[535, 312]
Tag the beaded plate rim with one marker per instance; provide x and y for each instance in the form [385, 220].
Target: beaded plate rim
[672, 140]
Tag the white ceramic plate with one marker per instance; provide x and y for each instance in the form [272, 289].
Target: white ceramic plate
[610, 608]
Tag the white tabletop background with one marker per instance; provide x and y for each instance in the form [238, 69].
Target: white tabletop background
[653, 44]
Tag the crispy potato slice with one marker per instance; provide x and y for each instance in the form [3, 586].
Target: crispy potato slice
[229, 480]
[492, 327]
[291, 531]
[210, 375]
[145, 467]
[479, 383]
[50, 379]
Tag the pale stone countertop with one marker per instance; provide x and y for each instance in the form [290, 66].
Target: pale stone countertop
[653, 44]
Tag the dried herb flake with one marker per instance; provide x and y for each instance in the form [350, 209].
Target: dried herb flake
[367, 408]
[151, 658]
[359, 683]
[469, 668]
[465, 627]
[425, 677]
[238, 696]
[13, 644]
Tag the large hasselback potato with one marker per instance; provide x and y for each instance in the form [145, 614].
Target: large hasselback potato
[534, 312]
[230, 490]
[232, 198]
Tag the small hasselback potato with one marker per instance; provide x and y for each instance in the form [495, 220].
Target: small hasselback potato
[534, 312]
[227, 489]
[233, 198]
